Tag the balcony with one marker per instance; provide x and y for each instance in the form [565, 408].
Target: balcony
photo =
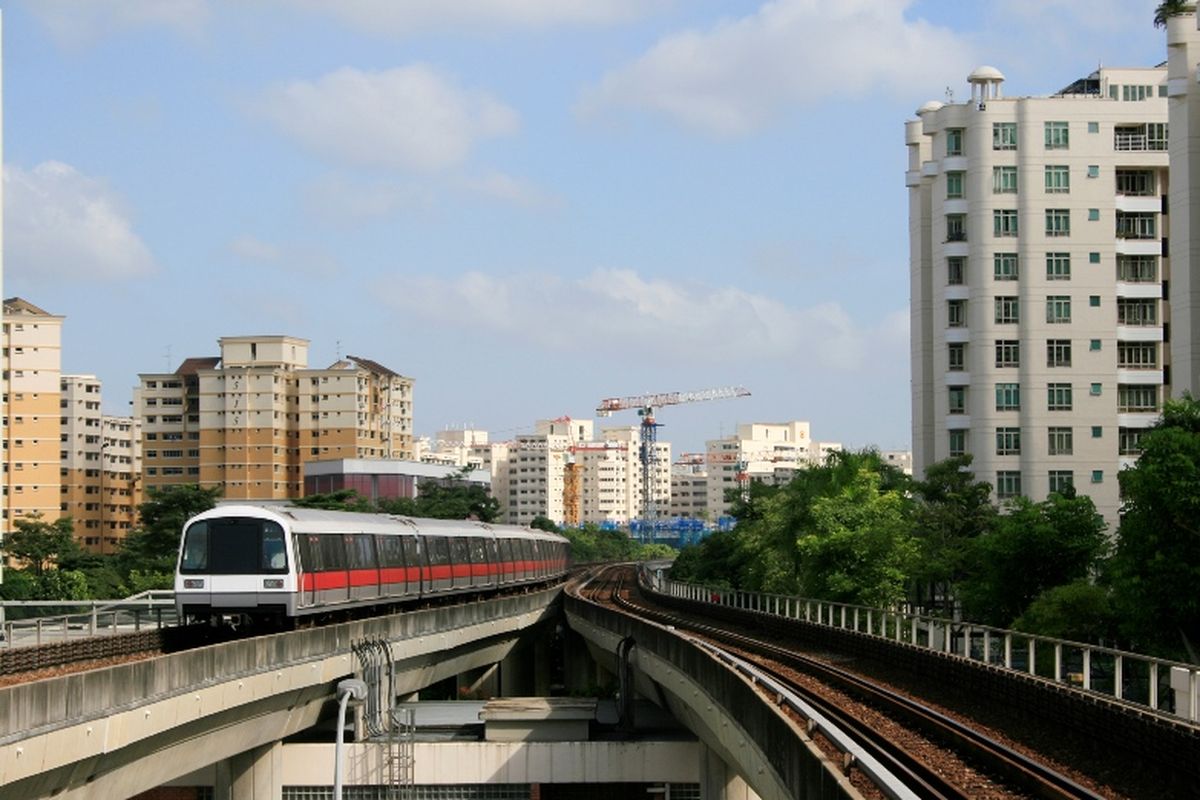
[1126, 142]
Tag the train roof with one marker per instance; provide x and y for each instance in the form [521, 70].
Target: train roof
[319, 520]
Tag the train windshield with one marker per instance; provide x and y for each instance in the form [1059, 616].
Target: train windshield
[234, 546]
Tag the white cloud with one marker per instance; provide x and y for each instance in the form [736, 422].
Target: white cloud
[61, 224]
[391, 18]
[614, 311]
[737, 76]
[306, 259]
[509, 189]
[405, 118]
[72, 22]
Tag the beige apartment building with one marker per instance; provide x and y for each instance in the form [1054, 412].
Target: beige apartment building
[100, 467]
[689, 487]
[248, 420]
[769, 452]
[538, 473]
[1038, 266]
[32, 349]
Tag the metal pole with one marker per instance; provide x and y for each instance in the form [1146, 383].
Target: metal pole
[347, 690]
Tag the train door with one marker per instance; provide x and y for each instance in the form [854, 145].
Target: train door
[507, 568]
[308, 566]
[412, 564]
[364, 567]
[392, 578]
[333, 581]
[440, 575]
[460, 562]
[491, 556]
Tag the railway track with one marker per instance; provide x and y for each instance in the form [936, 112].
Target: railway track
[905, 773]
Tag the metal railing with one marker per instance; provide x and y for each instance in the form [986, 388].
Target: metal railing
[84, 618]
[1159, 685]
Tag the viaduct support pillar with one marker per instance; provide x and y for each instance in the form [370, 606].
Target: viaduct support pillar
[253, 775]
[718, 782]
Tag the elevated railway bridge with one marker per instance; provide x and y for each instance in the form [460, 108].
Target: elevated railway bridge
[253, 719]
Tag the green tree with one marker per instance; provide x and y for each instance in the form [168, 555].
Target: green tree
[454, 497]
[953, 509]
[859, 546]
[154, 546]
[1170, 8]
[1156, 567]
[40, 545]
[1032, 548]
[341, 500]
[1079, 611]
[543, 523]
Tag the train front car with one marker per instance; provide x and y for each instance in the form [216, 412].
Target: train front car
[236, 565]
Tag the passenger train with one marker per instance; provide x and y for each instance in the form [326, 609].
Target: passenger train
[282, 563]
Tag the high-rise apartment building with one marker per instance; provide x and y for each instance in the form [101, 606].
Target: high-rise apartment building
[247, 420]
[689, 487]
[100, 466]
[769, 452]
[1038, 267]
[32, 349]
[537, 470]
[1183, 109]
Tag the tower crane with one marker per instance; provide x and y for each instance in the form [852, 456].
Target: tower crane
[645, 405]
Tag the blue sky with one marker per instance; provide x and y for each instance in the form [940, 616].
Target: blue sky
[526, 205]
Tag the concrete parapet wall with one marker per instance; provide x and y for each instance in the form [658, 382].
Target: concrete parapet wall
[770, 751]
[98, 733]
[1174, 745]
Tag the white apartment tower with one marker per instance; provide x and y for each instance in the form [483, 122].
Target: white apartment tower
[537, 470]
[769, 452]
[1183, 103]
[1038, 262]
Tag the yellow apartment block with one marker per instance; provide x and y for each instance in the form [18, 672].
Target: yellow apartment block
[101, 466]
[32, 348]
[248, 420]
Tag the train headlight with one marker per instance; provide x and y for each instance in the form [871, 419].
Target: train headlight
[193, 583]
[273, 583]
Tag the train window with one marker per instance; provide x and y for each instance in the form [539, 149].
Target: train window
[195, 548]
[439, 550]
[506, 550]
[274, 551]
[459, 552]
[362, 551]
[391, 551]
[310, 552]
[478, 551]
[526, 551]
[333, 552]
[412, 551]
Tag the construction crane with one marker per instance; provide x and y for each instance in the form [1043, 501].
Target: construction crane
[645, 405]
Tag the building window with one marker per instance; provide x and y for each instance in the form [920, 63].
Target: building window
[1137, 311]
[1007, 310]
[1058, 266]
[1005, 266]
[1097, 389]
[1058, 179]
[1137, 225]
[1062, 442]
[1136, 182]
[1129, 441]
[1058, 309]
[954, 185]
[1057, 136]
[1058, 353]
[1093, 171]
[1137, 269]
[1004, 136]
[956, 270]
[1008, 484]
[956, 313]
[956, 356]
[1093, 214]
[956, 227]
[1137, 355]
[1058, 222]
[1004, 222]
[1137, 398]
[1008, 441]
[1097, 431]
[1008, 353]
[958, 443]
[1058, 397]
[1093, 258]
[1093, 127]
[1004, 180]
[1008, 397]
[1097, 476]
[954, 141]
[1062, 481]
[958, 399]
